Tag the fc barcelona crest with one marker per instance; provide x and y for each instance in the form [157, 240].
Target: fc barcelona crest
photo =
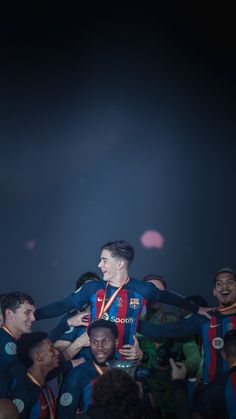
[119, 302]
[134, 303]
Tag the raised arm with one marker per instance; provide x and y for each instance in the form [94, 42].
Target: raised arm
[74, 301]
[80, 319]
[154, 294]
[185, 327]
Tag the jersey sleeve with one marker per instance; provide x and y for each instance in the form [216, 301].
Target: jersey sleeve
[73, 302]
[58, 331]
[70, 394]
[23, 400]
[182, 328]
[171, 298]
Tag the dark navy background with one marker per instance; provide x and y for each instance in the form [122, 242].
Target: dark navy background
[117, 120]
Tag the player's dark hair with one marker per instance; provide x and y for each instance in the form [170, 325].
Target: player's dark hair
[230, 344]
[86, 276]
[227, 270]
[116, 395]
[156, 277]
[27, 344]
[101, 323]
[120, 249]
[13, 300]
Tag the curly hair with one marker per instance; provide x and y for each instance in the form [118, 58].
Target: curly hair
[116, 395]
[101, 323]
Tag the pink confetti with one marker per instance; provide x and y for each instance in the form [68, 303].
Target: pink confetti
[30, 244]
[152, 238]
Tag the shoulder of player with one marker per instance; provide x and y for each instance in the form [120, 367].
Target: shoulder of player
[215, 316]
[140, 285]
[221, 315]
[85, 372]
[26, 390]
[4, 336]
[90, 287]
[83, 368]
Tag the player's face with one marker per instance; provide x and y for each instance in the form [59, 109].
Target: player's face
[22, 318]
[225, 289]
[49, 354]
[102, 344]
[108, 265]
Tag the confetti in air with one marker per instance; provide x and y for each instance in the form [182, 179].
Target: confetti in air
[30, 245]
[152, 239]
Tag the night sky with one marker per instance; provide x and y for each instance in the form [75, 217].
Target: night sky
[116, 121]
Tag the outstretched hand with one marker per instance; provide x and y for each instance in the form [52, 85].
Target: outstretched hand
[80, 319]
[204, 311]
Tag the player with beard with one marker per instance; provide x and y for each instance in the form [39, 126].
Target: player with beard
[77, 385]
[213, 331]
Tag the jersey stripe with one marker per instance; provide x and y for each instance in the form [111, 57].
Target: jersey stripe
[121, 302]
[210, 355]
[137, 314]
[214, 363]
[87, 393]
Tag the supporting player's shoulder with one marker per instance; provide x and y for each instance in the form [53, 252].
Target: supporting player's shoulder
[83, 370]
[3, 332]
[5, 337]
[25, 389]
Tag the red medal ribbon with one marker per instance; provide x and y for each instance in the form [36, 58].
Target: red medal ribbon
[222, 309]
[106, 307]
[50, 401]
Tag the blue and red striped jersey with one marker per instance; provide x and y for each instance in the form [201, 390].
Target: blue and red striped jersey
[125, 310]
[76, 390]
[33, 401]
[212, 331]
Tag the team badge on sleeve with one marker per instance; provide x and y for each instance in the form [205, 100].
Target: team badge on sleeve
[119, 302]
[66, 399]
[134, 303]
[10, 348]
[19, 404]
